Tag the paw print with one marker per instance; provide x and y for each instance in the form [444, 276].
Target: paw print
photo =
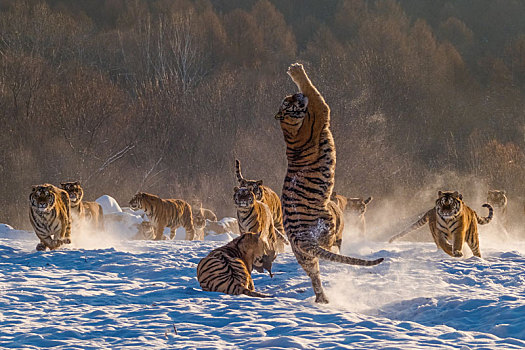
[295, 69]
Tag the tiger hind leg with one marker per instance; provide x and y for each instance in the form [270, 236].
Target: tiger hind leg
[311, 267]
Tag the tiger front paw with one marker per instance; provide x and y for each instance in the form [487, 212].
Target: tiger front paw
[66, 241]
[458, 254]
[40, 247]
[296, 69]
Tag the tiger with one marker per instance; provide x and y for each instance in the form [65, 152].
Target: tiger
[200, 215]
[171, 213]
[264, 194]
[498, 200]
[50, 216]
[82, 211]
[451, 220]
[255, 216]
[227, 269]
[309, 224]
[356, 207]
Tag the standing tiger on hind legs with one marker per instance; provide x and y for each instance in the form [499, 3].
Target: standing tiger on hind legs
[309, 223]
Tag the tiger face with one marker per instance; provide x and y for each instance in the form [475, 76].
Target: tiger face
[293, 110]
[497, 198]
[243, 197]
[74, 190]
[449, 204]
[43, 198]
[254, 186]
[357, 206]
[136, 202]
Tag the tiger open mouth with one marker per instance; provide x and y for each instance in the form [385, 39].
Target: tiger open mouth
[243, 203]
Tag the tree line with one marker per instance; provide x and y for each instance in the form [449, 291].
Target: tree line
[162, 96]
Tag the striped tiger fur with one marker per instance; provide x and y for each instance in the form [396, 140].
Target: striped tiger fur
[81, 211]
[172, 213]
[356, 208]
[498, 200]
[309, 181]
[451, 221]
[50, 216]
[264, 194]
[227, 269]
[255, 216]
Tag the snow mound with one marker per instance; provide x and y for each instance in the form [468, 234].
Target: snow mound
[109, 204]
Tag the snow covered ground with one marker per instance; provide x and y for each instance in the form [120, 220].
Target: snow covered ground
[111, 292]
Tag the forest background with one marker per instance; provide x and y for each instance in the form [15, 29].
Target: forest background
[161, 96]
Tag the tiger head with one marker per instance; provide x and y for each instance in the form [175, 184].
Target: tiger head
[74, 190]
[199, 221]
[357, 206]
[43, 197]
[449, 204]
[136, 202]
[243, 197]
[497, 198]
[292, 111]
[254, 186]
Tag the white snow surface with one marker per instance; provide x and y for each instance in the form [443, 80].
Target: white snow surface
[106, 291]
[109, 204]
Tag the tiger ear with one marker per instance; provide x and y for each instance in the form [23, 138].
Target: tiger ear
[33, 188]
[440, 193]
[259, 182]
[504, 192]
[236, 188]
[77, 183]
[368, 200]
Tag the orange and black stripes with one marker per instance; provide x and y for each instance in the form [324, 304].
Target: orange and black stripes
[50, 216]
[227, 269]
[172, 213]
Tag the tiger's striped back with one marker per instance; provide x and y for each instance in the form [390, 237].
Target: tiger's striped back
[49, 214]
[228, 269]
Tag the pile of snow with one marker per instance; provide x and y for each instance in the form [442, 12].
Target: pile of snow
[109, 204]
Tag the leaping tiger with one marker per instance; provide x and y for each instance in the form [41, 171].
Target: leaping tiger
[309, 181]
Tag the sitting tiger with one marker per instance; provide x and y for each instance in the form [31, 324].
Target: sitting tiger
[81, 211]
[308, 221]
[264, 194]
[255, 216]
[50, 216]
[171, 213]
[200, 215]
[227, 269]
[498, 200]
[356, 208]
[451, 221]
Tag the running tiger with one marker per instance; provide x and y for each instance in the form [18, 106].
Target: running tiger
[171, 213]
[308, 185]
[264, 194]
[451, 220]
[255, 216]
[90, 212]
[50, 216]
[356, 207]
[498, 200]
[228, 269]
